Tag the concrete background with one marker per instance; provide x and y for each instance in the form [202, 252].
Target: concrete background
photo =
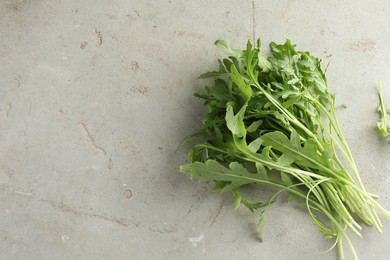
[96, 95]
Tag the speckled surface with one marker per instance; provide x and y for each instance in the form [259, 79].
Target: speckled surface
[96, 95]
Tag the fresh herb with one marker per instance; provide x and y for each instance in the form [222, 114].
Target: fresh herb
[271, 121]
[383, 125]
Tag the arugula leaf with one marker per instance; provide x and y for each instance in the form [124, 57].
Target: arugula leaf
[224, 46]
[233, 177]
[216, 74]
[234, 122]
[262, 61]
[245, 90]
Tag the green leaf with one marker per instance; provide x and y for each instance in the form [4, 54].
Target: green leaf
[283, 59]
[327, 231]
[237, 199]
[279, 141]
[310, 69]
[234, 122]
[283, 52]
[261, 170]
[245, 90]
[222, 72]
[293, 81]
[237, 175]
[252, 206]
[255, 144]
[224, 46]
[291, 101]
[219, 185]
[263, 63]
[254, 126]
[214, 74]
[295, 139]
[293, 151]
[286, 179]
[286, 159]
[266, 154]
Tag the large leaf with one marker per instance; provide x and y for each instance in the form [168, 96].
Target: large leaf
[237, 175]
[292, 150]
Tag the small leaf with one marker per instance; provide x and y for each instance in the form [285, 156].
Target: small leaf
[224, 46]
[291, 101]
[252, 206]
[237, 199]
[277, 140]
[263, 63]
[310, 69]
[320, 225]
[253, 127]
[214, 74]
[286, 159]
[254, 146]
[293, 81]
[266, 153]
[286, 179]
[261, 170]
[234, 122]
[245, 90]
[295, 139]
[218, 187]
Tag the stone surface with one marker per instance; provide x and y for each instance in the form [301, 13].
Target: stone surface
[95, 97]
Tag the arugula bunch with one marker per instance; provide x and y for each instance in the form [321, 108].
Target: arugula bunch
[272, 121]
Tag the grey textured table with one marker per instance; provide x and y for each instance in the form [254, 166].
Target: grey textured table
[96, 95]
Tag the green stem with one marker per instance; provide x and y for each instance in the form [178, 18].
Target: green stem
[340, 248]
[342, 139]
[382, 104]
